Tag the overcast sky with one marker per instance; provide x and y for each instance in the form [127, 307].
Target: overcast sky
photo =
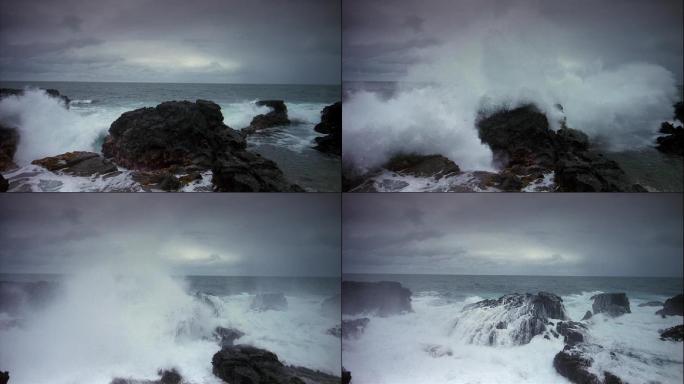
[214, 234]
[513, 234]
[212, 41]
[384, 39]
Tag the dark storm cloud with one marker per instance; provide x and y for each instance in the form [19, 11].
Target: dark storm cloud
[612, 32]
[229, 234]
[262, 41]
[513, 234]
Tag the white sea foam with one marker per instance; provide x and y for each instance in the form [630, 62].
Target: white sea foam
[418, 347]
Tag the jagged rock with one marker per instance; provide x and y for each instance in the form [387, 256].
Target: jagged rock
[276, 117]
[9, 139]
[77, 163]
[652, 304]
[245, 364]
[331, 124]
[4, 377]
[346, 376]
[50, 92]
[227, 336]
[384, 298]
[612, 304]
[673, 141]
[436, 166]
[572, 365]
[269, 301]
[572, 331]
[353, 329]
[673, 306]
[248, 172]
[587, 316]
[524, 315]
[675, 333]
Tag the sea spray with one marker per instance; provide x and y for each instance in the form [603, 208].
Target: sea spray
[47, 128]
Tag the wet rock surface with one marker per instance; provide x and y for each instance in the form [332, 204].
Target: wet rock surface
[436, 166]
[673, 306]
[77, 164]
[331, 125]
[274, 118]
[165, 377]
[612, 304]
[9, 139]
[672, 140]
[675, 333]
[269, 301]
[383, 298]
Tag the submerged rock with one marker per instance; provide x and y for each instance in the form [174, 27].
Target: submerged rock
[435, 166]
[331, 125]
[512, 319]
[276, 117]
[612, 304]
[245, 364]
[77, 164]
[673, 306]
[269, 301]
[652, 304]
[353, 329]
[587, 315]
[165, 377]
[675, 333]
[9, 139]
[384, 298]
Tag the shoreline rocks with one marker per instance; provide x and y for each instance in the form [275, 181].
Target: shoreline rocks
[672, 141]
[384, 298]
[673, 306]
[4, 92]
[612, 304]
[276, 117]
[331, 125]
[165, 377]
[77, 163]
[675, 333]
[9, 140]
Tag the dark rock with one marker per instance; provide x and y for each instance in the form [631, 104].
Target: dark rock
[673, 306]
[4, 377]
[679, 111]
[9, 139]
[534, 310]
[353, 329]
[77, 163]
[248, 172]
[4, 184]
[436, 166]
[609, 378]
[572, 331]
[384, 298]
[50, 92]
[612, 304]
[276, 117]
[675, 333]
[245, 364]
[170, 183]
[346, 376]
[335, 331]
[165, 377]
[501, 325]
[269, 301]
[673, 142]
[591, 172]
[587, 316]
[652, 304]
[227, 336]
[331, 124]
[572, 365]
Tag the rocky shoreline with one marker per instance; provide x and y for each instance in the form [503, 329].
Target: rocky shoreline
[173, 145]
[530, 156]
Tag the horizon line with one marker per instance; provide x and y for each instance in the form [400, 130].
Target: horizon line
[187, 275]
[159, 82]
[503, 275]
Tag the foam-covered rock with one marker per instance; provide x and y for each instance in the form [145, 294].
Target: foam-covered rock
[612, 304]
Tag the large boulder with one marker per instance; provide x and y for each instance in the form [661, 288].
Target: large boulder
[4, 377]
[612, 304]
[574, 366]
[331, 125]
[672, 141]
[436, 166]
[675, 333]
[512, 319]
[274, 118]
[9, 139]
[384, 298]
[245, 364]
[4, 184]
[77, 164]
[249, 172]
[673, 306]
[269, 301]
[572, 331]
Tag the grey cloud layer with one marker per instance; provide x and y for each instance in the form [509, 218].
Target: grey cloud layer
[511, 234]
[612, 32]
[230, 234]
[262, 41]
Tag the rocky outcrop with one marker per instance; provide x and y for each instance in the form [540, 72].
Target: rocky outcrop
[276, 117]
[383, 298]
[512, 319]
[185, 137]
[353, 329]
[435, 166]
[673, 306]
[4, 184]
[612, 304]
[675, 333]
[331, 125]
[77, 164]
[587, 316]
[672, 141]
[269, 301]
[523, 144]
[4, 377]
[9, 139]
[346, 376]
[226, 336]
[574, 366]
[250, 365]
[50, 92]
[572, 332]
[165, 377]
